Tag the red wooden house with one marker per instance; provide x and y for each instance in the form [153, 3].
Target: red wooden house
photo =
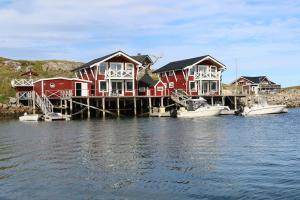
[58, 87]
[150, 87]
[197, 76]
[116, 74]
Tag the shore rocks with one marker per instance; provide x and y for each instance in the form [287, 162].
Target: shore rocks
[13, 111]
[291, 99]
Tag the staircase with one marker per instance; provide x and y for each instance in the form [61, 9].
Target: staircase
[43, 103]
[180, 97]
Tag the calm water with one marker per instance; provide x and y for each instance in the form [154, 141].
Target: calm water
[152, 158]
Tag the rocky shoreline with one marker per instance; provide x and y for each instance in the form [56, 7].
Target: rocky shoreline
[13, 111]
[291, 99]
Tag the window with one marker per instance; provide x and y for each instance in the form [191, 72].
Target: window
[193, 87]
[102, 68]
[160, 89]
[103, 86]
[129, 66]
[116, 66]
[52, 85]
[213, 86]
[162, 74]
[203, 68]
[192, 71]
[128, 86]
[142, 89]
[171, 73]
[171, 85]
[213, 69]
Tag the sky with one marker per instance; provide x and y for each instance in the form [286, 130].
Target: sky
[250, 37]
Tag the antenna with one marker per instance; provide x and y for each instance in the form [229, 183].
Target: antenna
[236, 74]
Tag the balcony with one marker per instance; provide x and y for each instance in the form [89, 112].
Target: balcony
[22, 83]
[119, 74]
[207, 75]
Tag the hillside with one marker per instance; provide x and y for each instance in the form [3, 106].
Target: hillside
[11, 69]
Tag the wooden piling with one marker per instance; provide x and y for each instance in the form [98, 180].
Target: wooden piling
[103, 107]
[89, 111]
[134, 106]
[118, 106]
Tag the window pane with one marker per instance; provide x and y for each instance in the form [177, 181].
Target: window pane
[102, 68]
[193, 86]
[129, 86]
[213, 86]
[192, 71]
[102, 86]
[129, 66]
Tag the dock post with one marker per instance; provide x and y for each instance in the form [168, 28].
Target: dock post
[66, 106]
[150, 104]
[71, 106]
[161, 102]
[118, 106]
[97, 105]
[89, 111]
[142, 106]
[235, 103]
[33, 102]
[223, 101]
[212, 100]
[134, 105]
[81, 111]
[103, 107]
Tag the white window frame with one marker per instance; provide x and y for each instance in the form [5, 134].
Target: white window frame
[129, 64]
[171, 73]
[100, 86]
[203, 66]
[171, 84]
[194, 90]
[128, 81]
[160, 88]
[142, 89]
[210, 88]
[213, 67]
[193, 67]
[106, 64]
[113, 63]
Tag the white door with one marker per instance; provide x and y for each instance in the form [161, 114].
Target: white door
[84, 89]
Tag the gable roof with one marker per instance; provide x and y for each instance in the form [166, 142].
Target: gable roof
[103, 58]
[142, 58]
[182, 64]
[254, 79]
[147, 81]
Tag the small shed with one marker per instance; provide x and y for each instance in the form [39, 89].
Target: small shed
[150, 87]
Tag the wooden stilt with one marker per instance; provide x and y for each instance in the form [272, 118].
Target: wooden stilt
[61, 105]
[80, 108]
[33, 102]
[161, 102]
[71, 106]
[103, 107]
[89, 111]
[66, 106]
[150, 104]
[134, 105]
[223, 100]
[235, 103]
[118, 106]
[142, 110]
[97, 105]
[212, 100]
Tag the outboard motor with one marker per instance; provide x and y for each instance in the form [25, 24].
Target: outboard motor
[173, 112]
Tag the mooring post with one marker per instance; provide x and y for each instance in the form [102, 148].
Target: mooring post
[150, 104]
[235, 103]
[134, 105]
[33, 102]
[71, 106]
[103, 107]
[89, 111]
[118, 106]
[223, 100]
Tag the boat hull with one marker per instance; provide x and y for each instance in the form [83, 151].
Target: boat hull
[199, 113]
[34, 117]
[264, 110]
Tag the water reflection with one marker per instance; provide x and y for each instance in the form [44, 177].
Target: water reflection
[145, 158]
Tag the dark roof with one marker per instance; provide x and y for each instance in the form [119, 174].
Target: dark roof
[254, 79]
[180, 64]
[100, 59]
[142, 58]
[147, 81]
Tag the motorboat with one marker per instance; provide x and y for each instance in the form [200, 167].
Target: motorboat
[30, 117]
[263, 109]
[199, 108]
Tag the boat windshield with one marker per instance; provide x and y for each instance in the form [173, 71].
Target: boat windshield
[194, 104]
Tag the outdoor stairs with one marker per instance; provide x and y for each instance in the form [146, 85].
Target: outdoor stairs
[43, 103]
[180, 97]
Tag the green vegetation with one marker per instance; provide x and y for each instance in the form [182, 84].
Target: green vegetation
[8, 72]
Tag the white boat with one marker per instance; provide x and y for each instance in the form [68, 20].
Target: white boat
[204, 111]
[263, 109]
[199, 108]
[30, 117]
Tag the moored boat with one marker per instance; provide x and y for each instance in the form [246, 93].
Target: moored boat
[30, 117]
[263, 109]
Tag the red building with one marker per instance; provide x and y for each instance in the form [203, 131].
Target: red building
[197, 76]
[115, 74]
[58, 87]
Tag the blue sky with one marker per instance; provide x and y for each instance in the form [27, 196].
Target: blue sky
[263, 36]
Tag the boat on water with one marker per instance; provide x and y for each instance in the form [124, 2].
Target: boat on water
[263, 108]
[199, 108]
[30, 117]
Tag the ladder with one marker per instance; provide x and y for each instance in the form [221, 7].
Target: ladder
[180, 97]
[43, 103]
